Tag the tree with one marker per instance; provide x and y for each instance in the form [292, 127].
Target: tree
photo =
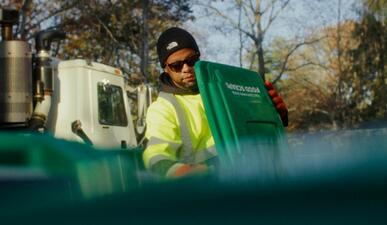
[249, 24]
[113, 32]
[367, 74]
[35, 15]
[345, 83]
[252, 22]
[313, 78]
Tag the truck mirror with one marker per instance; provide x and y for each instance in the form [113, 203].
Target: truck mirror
[76, 128]
[144, 99]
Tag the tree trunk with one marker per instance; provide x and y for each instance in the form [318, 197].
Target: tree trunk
[258, 42]
[21, 27]
[145, 46]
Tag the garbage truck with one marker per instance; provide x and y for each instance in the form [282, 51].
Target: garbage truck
[76, 100]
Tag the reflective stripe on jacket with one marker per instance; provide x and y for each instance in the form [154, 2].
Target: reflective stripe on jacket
[178, 131]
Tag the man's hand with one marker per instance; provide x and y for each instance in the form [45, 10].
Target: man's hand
[187, 169]
[278, 102]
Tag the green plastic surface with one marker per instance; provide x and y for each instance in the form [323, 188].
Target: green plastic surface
[241, 115]
[332, 178]
[80, 168]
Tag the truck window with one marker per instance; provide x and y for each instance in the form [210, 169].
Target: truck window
[111, 107]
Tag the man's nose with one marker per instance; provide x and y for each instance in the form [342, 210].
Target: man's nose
[187, 68]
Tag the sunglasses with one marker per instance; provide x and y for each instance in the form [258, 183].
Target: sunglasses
[178, 65]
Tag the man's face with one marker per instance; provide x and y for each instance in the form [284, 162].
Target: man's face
[180, 67]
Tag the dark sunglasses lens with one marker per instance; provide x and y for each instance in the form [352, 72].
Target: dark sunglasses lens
[192, 61]
[176, 66]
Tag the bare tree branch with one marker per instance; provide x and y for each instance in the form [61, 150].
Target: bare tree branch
[54, 13]
[270, 6]
[106, 29]
[273, 16]
[240, 33]
[289, 54]
[301, 66]
[21, 28]
[246, 13]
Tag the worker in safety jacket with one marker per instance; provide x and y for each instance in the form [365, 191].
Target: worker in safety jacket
[179, 137]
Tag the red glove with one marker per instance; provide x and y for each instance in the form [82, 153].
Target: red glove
[186, 169]
[279, 104]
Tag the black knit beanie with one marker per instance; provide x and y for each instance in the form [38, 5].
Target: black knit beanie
[173, 40]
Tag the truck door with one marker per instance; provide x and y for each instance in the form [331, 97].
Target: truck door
[113, 123]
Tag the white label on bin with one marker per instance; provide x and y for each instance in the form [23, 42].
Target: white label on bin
[243, 90]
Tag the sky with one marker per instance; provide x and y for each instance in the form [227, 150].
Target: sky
[299, 18]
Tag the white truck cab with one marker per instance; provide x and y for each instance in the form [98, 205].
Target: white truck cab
[94, 95]
[74, 100]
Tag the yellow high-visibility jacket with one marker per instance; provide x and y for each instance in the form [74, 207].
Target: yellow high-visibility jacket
[178, 133]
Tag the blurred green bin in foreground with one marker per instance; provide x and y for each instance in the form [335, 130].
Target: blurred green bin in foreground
[83, 169]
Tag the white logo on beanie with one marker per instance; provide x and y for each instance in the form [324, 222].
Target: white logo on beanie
[172, 45]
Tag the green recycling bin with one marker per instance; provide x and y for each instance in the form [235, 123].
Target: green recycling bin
[240, 112]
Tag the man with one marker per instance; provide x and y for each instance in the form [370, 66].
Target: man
[180, 140]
